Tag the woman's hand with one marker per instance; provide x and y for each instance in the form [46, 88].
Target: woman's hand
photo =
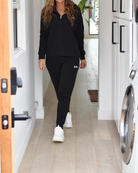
[83, 63]
[42, 64]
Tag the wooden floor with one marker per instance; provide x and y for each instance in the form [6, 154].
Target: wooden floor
[91, 146]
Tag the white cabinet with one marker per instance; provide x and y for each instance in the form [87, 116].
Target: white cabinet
[122, 61]
[126, 55]
[115, 67]
[122, 8]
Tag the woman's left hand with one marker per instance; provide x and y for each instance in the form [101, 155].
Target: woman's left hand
[83, 63]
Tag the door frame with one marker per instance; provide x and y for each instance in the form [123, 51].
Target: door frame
[6, 100]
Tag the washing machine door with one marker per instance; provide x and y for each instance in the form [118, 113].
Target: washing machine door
[127, 125]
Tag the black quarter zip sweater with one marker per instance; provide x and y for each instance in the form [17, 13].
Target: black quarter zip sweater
[62, 39]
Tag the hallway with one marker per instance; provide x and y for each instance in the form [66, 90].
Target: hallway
[91, 146]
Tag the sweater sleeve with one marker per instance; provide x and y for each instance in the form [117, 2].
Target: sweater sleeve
[79, 34]
[43, 40]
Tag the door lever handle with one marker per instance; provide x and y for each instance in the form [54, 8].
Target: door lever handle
[19, 117]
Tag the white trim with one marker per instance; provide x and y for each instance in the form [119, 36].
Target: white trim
[104, 114]
[16, 6]
[18, 52]
[40, 113]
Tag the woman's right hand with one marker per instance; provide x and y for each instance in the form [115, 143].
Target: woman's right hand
[42, 64]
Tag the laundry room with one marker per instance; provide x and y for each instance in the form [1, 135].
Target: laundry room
[89, 122]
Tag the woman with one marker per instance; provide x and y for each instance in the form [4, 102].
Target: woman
[61, 40]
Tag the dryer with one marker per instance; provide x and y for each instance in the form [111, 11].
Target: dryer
[129, 124]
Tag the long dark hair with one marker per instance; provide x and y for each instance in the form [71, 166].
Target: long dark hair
[49, 6]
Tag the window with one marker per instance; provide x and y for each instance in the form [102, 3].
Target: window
[16, 6]
[19, 37]
[15, 28]
[94, 17]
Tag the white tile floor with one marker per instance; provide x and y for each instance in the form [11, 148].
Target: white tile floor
[91, 146]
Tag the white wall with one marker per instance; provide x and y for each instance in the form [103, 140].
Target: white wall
[25, 97]
[105, 60]
[41, 77]
[46, 80]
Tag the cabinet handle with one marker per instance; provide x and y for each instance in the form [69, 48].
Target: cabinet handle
[121, 38]
[113, 32]
[113, 6]
[121, 11]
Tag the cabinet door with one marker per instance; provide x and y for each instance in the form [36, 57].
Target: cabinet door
[115, 58]
[117, 83]
[122, 61]
[125, 58]
[126, 9]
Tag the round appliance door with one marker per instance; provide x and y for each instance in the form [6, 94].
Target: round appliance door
[127, 125]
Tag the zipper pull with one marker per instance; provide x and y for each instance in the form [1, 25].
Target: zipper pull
[60, 17]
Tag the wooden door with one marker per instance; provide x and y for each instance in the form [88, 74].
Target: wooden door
[6, 100]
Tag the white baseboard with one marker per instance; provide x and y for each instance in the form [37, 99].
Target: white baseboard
[104, 114]
[40, 113]
[23, 146]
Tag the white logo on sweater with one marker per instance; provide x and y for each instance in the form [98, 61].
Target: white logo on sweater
[75, 66]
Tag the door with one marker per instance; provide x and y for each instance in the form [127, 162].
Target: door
[8, 86]
[6, 100]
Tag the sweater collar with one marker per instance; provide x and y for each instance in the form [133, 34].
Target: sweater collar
[54, 9]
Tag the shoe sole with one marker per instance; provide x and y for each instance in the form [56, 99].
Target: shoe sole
[67, 125]
[56, 139]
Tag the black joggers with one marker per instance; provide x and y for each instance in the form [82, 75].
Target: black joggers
[63, 71]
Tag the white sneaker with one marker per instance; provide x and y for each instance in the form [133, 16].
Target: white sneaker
[58, 134]
[68, 121]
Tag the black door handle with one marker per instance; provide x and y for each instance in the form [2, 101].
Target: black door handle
[122, 26]
[15, 81]
[113, 32]
[19, 117]
[113, 10]
[121, 6]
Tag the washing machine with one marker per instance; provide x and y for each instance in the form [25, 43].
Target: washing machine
[129, 124]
